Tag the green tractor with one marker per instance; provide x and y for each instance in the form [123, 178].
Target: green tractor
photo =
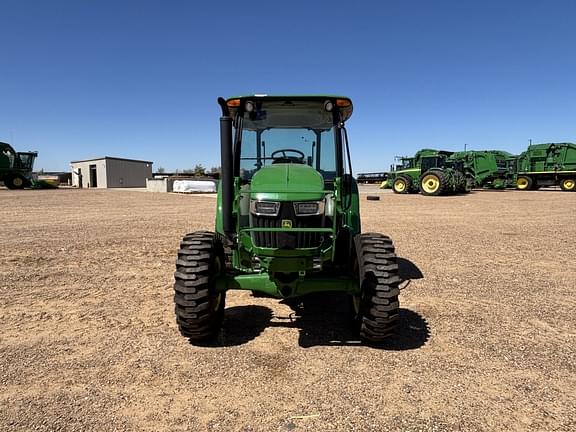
[287, 220]
[16, 167]
[430, 172]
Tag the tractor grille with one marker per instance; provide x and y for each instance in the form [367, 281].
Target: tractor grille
[287, 240]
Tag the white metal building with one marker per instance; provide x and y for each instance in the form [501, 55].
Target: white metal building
[110, 172]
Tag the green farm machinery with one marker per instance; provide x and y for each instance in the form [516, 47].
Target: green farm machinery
[16, 167]
[487, 168]
[287, 220]
[552, 164]
[430, 172]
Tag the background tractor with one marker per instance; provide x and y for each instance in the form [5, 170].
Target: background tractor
[552, 164]
[430, 172]
[287, 220]
[16, 167]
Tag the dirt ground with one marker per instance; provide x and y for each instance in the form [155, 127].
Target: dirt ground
[88, 339]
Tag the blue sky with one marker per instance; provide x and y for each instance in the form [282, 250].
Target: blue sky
[139, 79]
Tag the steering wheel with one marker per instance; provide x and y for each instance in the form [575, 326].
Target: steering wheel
[287, 159]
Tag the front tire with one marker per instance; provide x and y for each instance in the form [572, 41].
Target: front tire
[376, 308]
[402, 185]
[199, 308]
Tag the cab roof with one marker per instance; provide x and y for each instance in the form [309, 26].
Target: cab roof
[345, 104]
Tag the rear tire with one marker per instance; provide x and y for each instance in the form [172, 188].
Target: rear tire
[199, 308]
[433, 183]
[568, 185]
[376, 309]
[461, 182]
[402, 185]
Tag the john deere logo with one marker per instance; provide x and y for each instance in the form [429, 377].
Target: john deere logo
[286, 223]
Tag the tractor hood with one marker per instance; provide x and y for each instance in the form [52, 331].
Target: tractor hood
[287, 182]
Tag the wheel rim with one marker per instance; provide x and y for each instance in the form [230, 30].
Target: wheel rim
[399, 186]
[356, 304]
[17, 182]
[569, 184]
[522, 183]
[430, 184]
[356, 298]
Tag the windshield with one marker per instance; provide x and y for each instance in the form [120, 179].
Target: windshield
[432, 162]
[25, 160]
[299, 132]
[405, 163]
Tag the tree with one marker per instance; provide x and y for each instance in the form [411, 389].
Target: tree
[161, 170]
[199, 170]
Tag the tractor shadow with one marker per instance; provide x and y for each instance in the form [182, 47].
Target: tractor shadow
[326, 320]
[323, 319]
[242, 324]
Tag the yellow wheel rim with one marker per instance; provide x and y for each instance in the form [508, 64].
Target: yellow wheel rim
[399, 186]
[430, 183]
[569, 184]
[522, 183]
[356, 304]
[18, 182]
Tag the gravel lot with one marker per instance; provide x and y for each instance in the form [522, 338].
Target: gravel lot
[88, 340]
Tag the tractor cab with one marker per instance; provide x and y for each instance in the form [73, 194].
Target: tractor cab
[429, 162]
[405, 163]
[25, 160]
[9, 158]
[288, 130]
[15, 167]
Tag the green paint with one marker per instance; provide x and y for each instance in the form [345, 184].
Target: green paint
[310, 284]
[548, 164]
[287, 182]
[487, 168]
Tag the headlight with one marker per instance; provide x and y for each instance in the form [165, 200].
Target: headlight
[264, 208]
[309, 208]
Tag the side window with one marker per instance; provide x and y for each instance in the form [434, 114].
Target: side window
[248, 160]
[328, 154]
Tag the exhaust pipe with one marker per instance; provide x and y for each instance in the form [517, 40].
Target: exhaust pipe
[226, 173]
